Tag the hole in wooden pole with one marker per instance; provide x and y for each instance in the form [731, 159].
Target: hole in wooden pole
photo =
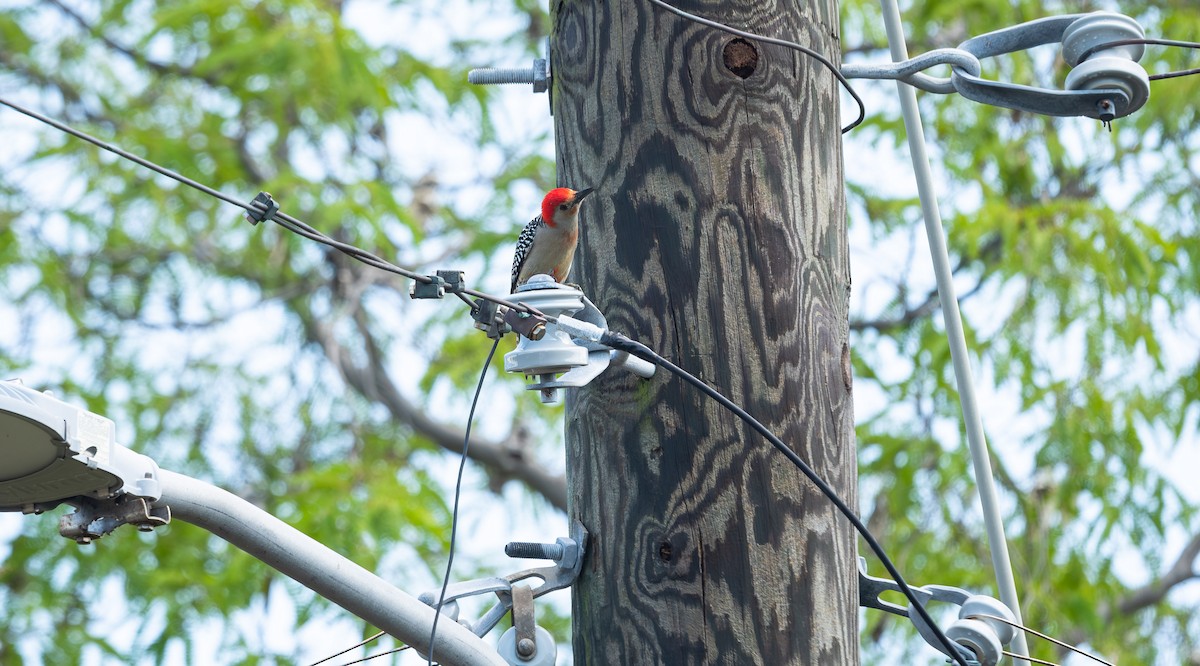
[664, 551]
[741, 57]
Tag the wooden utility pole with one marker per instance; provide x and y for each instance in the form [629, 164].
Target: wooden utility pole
[718, 237]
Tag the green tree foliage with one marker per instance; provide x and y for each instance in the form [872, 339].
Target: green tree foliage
[1076, 254]
[313, 385]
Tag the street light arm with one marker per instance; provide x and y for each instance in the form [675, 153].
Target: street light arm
[319, 568]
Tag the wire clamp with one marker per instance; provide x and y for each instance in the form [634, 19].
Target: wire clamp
[455, 281]
[435, 288]
[263, 209]
[439, 285]
[532, 326]
[489, 318]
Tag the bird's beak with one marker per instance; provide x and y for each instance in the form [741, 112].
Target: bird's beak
[580, 196]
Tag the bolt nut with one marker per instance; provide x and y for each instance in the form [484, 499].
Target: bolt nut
[526, 648]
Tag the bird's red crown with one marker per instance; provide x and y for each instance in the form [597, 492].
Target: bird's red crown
[555, 198]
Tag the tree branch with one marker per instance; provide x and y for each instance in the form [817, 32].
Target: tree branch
[141, 59]
[1184, 569]
[931, 302]
[503, 460]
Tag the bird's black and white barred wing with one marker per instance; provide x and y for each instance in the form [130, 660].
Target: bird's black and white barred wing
[524, 244]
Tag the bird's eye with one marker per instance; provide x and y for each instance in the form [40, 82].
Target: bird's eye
[563, 207]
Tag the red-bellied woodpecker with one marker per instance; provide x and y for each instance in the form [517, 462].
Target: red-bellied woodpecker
[547, 244]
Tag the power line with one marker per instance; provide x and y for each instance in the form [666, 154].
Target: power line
[626, 344]
[862, 109]
[462, 463]
[384, 654]
[1018, 625]
[955, 338]
[352, 647]
[292, 224]
[1148, 41]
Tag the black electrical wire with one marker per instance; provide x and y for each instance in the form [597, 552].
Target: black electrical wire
[462, 463]
[1149, 41]
[862, 109]
[626, 344]
[284, 220]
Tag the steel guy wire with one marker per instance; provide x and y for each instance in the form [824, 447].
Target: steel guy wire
[292, 224]
[386, 653]
[955, 337]
[1035, 660]
[352, 647]
[462, 463]
[1018, 625]
[626, 344]
[862, 109]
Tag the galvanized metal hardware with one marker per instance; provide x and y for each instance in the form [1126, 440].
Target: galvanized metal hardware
[1106, 83]
[439, 285]
[556, 577]
[526, 644]
[981, 641]
[911, 71]
[557, 360]
[527, 325]
[538, 75]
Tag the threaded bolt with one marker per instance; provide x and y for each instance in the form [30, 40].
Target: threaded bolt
[538, 75]
[494, 76]
[534, 551]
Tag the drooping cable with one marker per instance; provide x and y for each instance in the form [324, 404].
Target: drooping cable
[462, 463]
[284, 220]
[1151, 42]
[626, 344]
[862, 109]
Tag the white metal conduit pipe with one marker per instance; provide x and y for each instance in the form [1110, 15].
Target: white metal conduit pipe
[320, 569]
[993, 522]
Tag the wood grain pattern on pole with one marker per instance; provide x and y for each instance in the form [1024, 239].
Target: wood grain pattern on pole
[717, 236]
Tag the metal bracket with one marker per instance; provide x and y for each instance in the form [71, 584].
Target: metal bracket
[560, 576]
[523, 623]
[1103, 103]
[979, 641]
[92, 520]
[1107, 83]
